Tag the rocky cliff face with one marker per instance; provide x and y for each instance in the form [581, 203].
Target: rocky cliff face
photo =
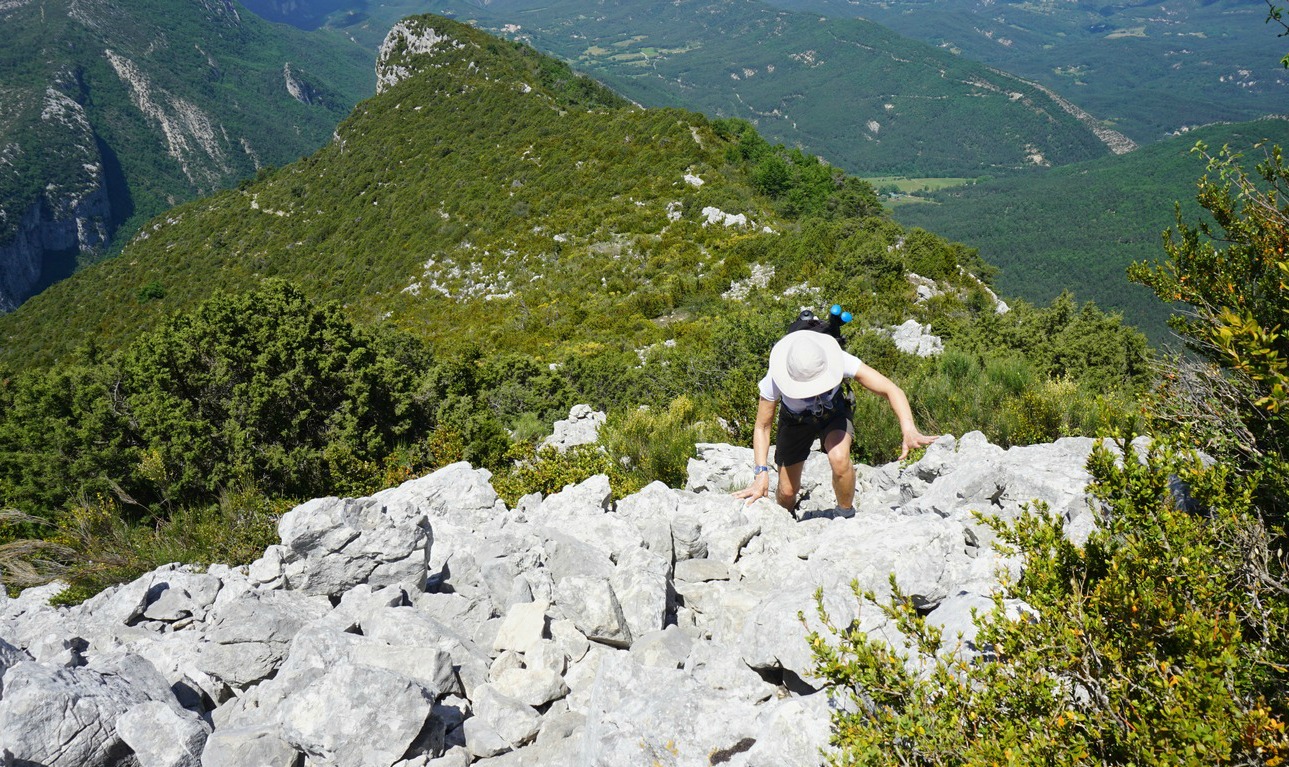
[430, 624]
[40, 240]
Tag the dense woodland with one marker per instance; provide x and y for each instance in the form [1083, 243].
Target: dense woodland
[1079, 227]
[496, 239]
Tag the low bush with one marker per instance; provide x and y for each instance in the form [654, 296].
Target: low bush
[1164, 639]
[656, 445]
[547, 470]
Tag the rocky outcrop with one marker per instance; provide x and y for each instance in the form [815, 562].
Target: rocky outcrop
[429, 624]
[41, 236]
[912, 337]
[192, 138]
[407, 39]
[299, 88]
[582, 427]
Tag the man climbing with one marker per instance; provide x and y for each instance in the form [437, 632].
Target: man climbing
[807, 373]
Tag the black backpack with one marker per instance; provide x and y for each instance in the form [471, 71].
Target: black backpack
[832, 326]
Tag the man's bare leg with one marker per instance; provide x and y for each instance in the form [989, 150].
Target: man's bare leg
[837, 445]
[789, 485]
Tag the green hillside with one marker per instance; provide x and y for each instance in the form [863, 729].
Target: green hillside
[1147, 68]
[863, 98]
[488, 241]
[513, 205]
[152, 103]
[1079, 227]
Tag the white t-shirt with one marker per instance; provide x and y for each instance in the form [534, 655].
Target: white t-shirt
[770, 390]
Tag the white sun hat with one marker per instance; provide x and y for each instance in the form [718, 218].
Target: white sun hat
[806, 363]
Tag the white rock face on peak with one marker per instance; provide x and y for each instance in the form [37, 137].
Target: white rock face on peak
[431, 625]
[407, 38]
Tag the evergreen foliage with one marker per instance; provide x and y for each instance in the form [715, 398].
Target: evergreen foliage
[1160, 640]
[265, 389]
[261, 390]
[1233, 401]
[548, 470]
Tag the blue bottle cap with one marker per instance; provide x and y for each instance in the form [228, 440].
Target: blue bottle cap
[835, 310]
[847, 316]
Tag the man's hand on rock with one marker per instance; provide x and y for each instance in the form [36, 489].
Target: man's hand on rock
[759, 488]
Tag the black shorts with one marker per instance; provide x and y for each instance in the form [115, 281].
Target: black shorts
[798, 431]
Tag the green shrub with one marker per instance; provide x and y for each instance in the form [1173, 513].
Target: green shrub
[1231, 395]
[153, 291]
[99, 548]
[1006, 398]
[655, 445]
[267, 388]
[529, 428]
[1013, 375]
[1162, 640]
[547, 470]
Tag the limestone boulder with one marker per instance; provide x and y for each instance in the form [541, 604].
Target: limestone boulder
[333, 544]
[69, 717]
[582, 427]
[247, 639]
[162, 736]
[354, 715]
[260, 745]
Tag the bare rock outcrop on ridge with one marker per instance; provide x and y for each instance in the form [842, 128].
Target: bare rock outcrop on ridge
[429, 624]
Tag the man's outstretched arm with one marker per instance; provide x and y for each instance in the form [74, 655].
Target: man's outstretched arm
[881, 385]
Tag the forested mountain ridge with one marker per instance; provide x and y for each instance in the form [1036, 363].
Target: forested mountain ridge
[865, 99]
[488, 195]
[112, 112]
[1079, 227]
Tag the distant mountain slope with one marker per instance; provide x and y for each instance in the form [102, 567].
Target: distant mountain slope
[1148, 68]
[1079, 227]
[867, 100]
[111, 112]
[488, 196]
[305, 15]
